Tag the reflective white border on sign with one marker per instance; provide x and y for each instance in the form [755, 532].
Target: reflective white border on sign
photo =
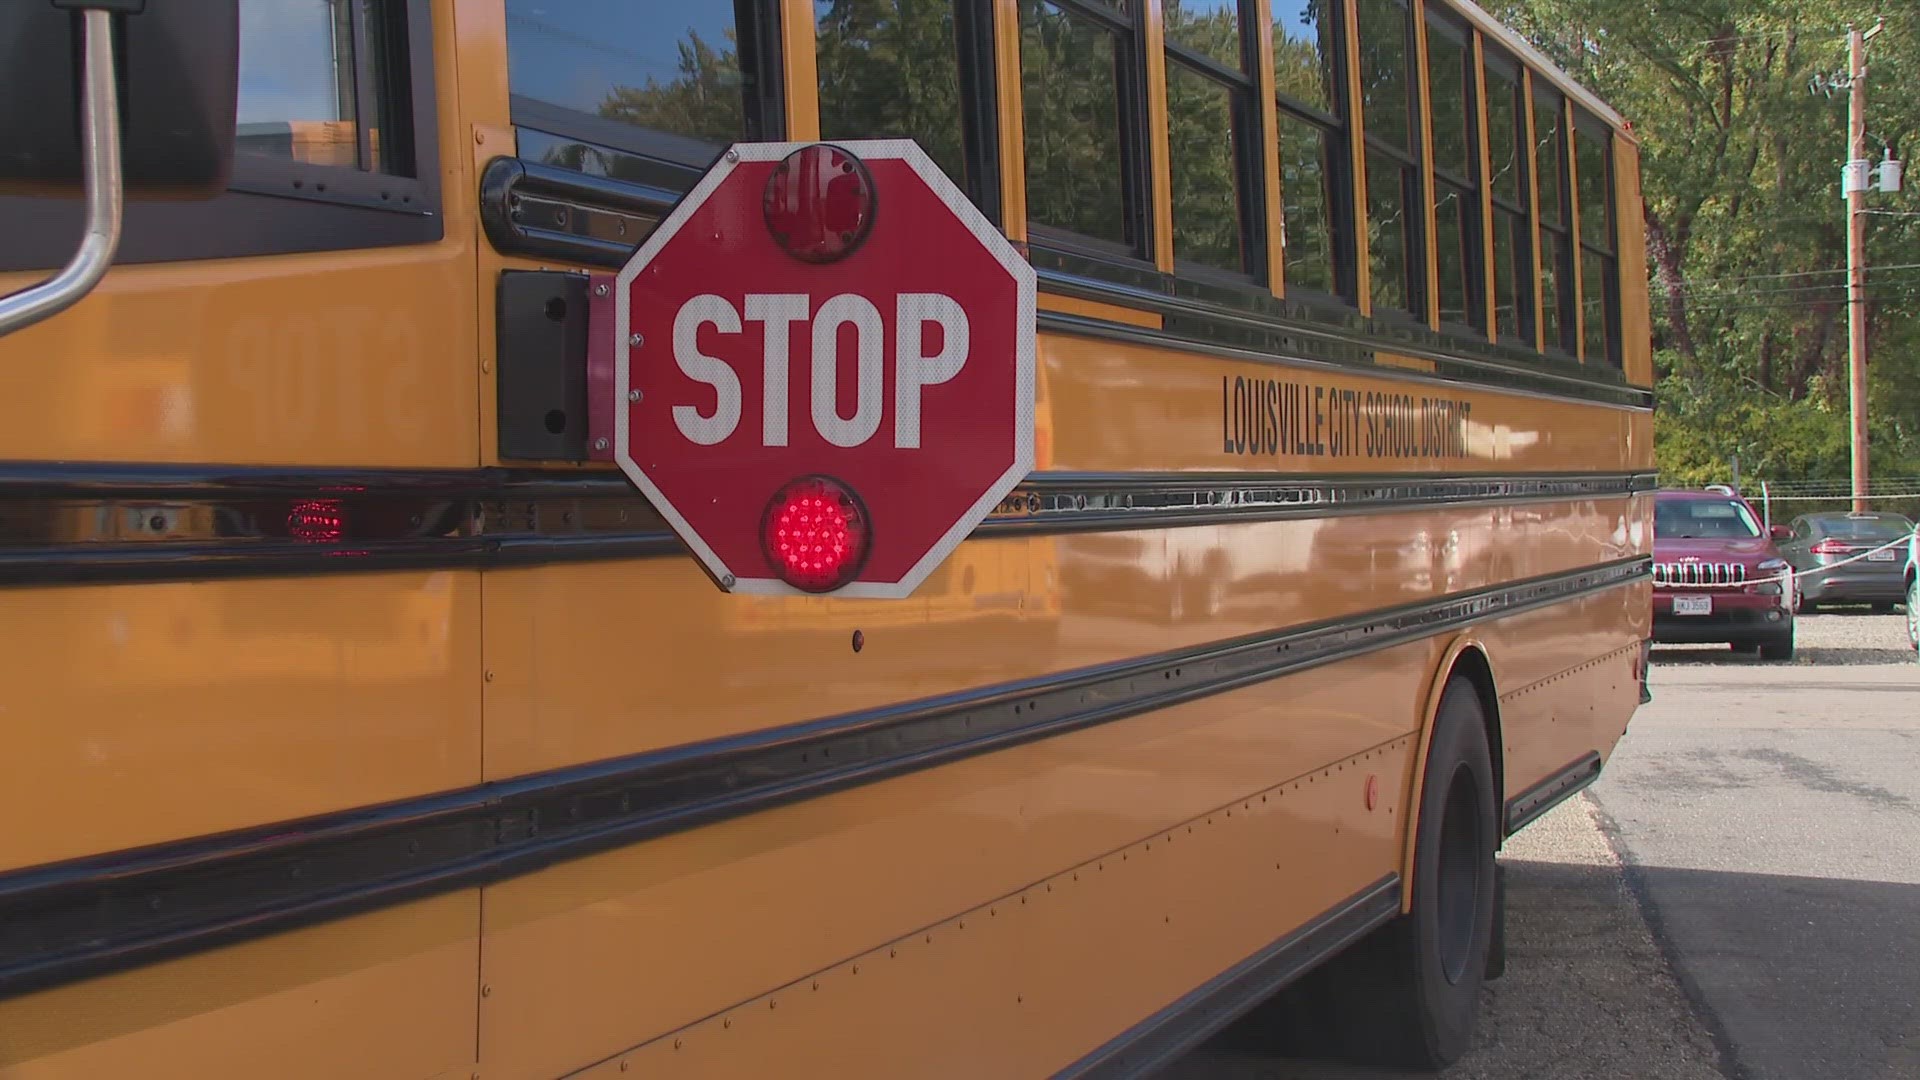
[1025, 349]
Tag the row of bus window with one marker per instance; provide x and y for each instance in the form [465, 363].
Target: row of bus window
[651, 91]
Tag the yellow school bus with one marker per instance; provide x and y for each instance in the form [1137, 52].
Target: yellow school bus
[361, 721]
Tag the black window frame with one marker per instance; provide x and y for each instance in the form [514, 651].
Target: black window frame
[276, 207]
[1525, 239]
[1411, 171]
[1336, 132]
[1092, 255]
[672, 163]
[1464, 188]
[1587, 125]
[1249, 172]
[1565, 299]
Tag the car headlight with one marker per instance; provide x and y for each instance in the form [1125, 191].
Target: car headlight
[1771, 565]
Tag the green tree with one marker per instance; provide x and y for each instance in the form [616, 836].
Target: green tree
[1743, 133]
[704, 102]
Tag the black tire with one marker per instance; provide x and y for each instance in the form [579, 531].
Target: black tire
[1885, 607]
[1779, 647]
[1748, 647]
[1406, 995]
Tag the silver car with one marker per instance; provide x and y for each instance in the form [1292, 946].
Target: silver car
[1826, 551]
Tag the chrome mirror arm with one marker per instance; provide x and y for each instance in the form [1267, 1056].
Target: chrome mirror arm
[101, 131]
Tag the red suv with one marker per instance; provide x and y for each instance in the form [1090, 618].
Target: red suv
[1711, 559]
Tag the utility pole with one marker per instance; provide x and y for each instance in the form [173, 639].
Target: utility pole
[1856, 261]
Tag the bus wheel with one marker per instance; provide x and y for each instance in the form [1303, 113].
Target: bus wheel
[1408, 994]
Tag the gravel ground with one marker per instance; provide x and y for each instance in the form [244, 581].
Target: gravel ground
[1844, 638]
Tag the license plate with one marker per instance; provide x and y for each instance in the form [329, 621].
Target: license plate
[1693, 605]
[1883, 556]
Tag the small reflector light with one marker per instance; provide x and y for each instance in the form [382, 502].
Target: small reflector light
[316, 521]
[819, 203]
[816, 534]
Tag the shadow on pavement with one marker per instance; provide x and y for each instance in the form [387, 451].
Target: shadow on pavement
[1807, 977]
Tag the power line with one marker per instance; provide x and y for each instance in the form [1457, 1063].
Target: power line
[1792, 274]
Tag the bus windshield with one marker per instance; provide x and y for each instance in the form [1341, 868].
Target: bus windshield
[1702, 519]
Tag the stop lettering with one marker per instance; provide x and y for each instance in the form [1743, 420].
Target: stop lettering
[911, 367]
[824, 368]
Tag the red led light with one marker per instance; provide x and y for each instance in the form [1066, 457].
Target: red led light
[816, 534]
[819, 203]
[316, 521]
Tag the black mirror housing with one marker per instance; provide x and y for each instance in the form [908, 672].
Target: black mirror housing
[178, 63]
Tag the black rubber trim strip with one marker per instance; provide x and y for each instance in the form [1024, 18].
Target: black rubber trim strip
[64, 524]
[89, 916]
[1155, 1042]
[1532, 804]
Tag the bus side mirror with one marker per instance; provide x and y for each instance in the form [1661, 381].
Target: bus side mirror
[177, 66]
[106, 98]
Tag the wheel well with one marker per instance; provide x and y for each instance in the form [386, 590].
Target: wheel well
[1472, 665]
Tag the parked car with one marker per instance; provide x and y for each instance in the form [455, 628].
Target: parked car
[1712, 563]
[1818, 541]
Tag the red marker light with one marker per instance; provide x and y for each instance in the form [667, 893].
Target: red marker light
[816, 534]
[316, 521]
[819, 203]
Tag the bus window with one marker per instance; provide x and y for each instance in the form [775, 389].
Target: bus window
[1209, 113]
[1312, 145]
[1556, 240]
[900, 69]
[1507, 176]
[1393, 164]
[1077, 79]
[1599, 291]
[649, 93]
[1456, 198]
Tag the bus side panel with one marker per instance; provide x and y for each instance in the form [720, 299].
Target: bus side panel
[136, 714]
[585, 959]
[1566, 673]
[348, 358]
[596, 661]
[389, 994]
[1567, 680]
[1204, 413]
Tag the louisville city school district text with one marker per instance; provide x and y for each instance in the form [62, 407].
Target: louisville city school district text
[1276, 417]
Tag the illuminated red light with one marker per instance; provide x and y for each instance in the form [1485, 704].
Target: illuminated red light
[1830, 547]
[316, 521]
[816, 534]
[819, 203]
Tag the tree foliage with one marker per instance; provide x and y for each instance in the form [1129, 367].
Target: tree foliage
[1741, 110]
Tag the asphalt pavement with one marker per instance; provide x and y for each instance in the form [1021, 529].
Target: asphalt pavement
[1738, 897]
[1769, 815]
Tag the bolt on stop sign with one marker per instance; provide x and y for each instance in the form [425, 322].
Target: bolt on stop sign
[824, 368]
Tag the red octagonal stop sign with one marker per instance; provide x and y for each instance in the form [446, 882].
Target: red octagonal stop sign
[842, 362]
